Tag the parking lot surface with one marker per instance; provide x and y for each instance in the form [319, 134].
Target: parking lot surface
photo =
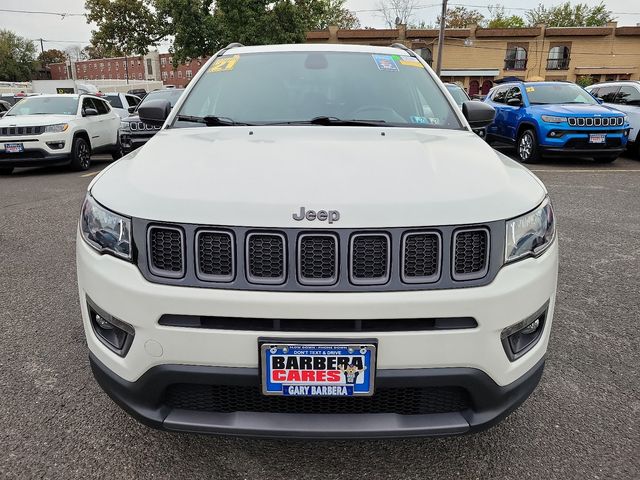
[581, 422]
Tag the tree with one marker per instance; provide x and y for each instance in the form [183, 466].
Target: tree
[76, 53]
[567, 15]
[320, 14]
[499, 19]
[52, 56]
[17, 57]
[398, 12]
[460, 17]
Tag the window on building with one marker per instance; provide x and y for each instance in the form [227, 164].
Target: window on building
[558, 58]
[179, 73]
[140, 76]
[149, 67]
[109, 66]
[516, 58]
[171, 74]
[133, 63]
[163, 61]
[117, 66]
[474, 87]
[189, 73]
[170, 59]
[101, 65]
[165, 75]
[139, 62]
[84, 68]
[124, 64]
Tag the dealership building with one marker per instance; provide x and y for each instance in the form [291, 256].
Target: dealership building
[473, 57]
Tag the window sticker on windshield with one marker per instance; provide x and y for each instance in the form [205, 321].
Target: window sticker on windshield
[410, 62]
[224, 64]
[416, 119]
[385, 63]
[530, 89]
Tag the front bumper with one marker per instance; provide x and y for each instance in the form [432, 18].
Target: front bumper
[472, 358]
[577, 143]
[144, 400]
[37, 150]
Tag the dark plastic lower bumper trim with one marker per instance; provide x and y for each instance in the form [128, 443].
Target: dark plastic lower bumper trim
[143, 400]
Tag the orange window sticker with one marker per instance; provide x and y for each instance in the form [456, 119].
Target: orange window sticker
[224, 64]
[530, 89]
[410, 62]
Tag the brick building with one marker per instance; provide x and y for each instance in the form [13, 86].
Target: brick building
[474, 57]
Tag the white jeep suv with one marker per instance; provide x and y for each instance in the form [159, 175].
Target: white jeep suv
[57, 129]
[316, 244]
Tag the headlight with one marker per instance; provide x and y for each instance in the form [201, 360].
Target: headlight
[531, 234]
[104, 230]
[553, 119]
[124, 125]
[59, 128]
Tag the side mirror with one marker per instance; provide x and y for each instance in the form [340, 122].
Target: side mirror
[2, 114]
[514, 102]
[131, 109]
[89, 112]
[154, 112]
[478, 114]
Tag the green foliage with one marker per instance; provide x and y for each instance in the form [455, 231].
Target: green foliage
[52, 56]
[320, 14]
[567, 15]
[585, 80]
[460, 17]
[499, 19]
[17, 57]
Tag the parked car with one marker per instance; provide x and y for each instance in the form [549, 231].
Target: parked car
[4, 107]
[138, 92]
[460, 96]
[57, 129]
[623, 96]
[555, 118]
[293, 230]
[135, 133]
[122, 103]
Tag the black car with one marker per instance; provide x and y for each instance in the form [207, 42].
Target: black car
[135, 133]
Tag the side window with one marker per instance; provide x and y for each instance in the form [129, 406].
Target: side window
[628, 95]
[500, 95]
[607, 94]
[513, 92]
[132, 101]
[88, 103]
[103, 107]
[594, 91]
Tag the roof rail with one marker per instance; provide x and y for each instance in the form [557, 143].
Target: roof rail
[402, 46]
[233, 45]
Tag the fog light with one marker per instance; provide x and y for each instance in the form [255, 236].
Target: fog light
[518, 339]
[55, 145]
[115, 334]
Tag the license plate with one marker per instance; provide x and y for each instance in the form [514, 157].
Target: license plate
[320, 370]
[597, 138]
[14, 147]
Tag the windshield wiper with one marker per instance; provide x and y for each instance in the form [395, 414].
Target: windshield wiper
[211, 120]
[333, 121]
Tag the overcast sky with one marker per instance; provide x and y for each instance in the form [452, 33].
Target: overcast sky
[61, 33]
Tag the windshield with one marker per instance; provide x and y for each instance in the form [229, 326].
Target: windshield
[546, 94]
[45, 106]
[170, 94]
[458, 94]
[290, 87]
[114, 100]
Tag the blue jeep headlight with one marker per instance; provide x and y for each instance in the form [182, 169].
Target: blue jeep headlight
[530, 234]
[553, 119]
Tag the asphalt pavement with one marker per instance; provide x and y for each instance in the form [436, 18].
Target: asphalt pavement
[581, 422]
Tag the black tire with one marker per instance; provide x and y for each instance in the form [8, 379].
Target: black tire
[607, 159]
[527, 147]
[117, 153]
[80, 154]
[6, 170]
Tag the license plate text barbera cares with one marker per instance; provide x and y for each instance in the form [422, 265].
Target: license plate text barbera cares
[300, 368]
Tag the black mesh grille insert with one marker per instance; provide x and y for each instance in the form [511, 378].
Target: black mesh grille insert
[421, 260]
[470, 253]
[18, 131]
[318, 259]
[370, 259]
[236, 398]
[215, 256]
[165, 251]
[265, 258]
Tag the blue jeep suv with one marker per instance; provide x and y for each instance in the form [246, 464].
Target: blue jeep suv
[555, 118]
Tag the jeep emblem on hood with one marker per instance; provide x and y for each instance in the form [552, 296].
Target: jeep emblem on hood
[322, 215]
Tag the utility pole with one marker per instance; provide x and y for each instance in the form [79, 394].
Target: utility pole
[42, 45]
[126, 68]
[443, 22]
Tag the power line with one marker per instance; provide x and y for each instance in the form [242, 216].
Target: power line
[41, 12]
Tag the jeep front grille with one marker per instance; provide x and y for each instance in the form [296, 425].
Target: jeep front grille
[20, 131]
[344, 260]
[166, 251]
[596, 121]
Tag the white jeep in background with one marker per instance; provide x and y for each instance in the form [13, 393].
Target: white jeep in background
[316, 244]
[57, 129]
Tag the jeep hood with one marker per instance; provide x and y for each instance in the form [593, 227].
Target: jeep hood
[260, 176]
[575, 109]
[34, 120]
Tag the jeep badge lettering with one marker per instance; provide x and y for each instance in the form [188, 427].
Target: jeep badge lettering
[322, 215]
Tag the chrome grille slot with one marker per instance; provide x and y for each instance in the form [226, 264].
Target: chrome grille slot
[266, 258]
[317, 259]
[215, 255]
[166, 251]
[370, 258]
[421, 257]
[471, 254]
